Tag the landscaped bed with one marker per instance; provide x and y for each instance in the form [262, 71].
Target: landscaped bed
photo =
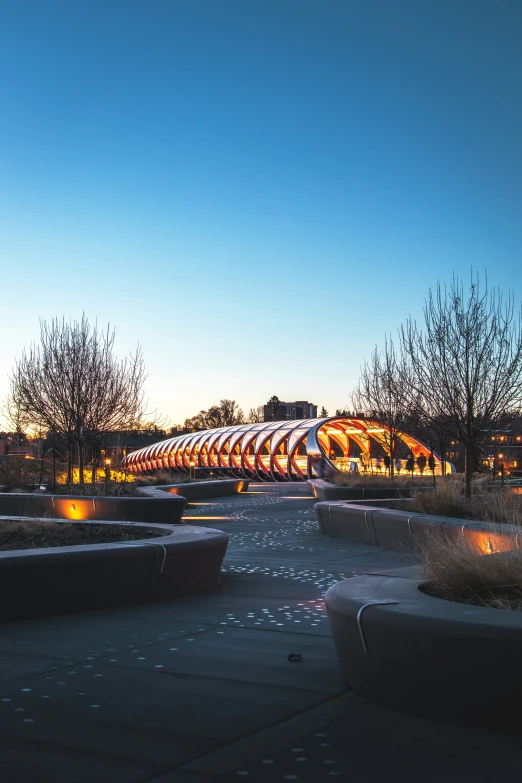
[440, 659]
[36, 534]
[82, 571]
[455, 571]
[488, 502]
[437, 641]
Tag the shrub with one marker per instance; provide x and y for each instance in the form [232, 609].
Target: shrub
[21, 473]
[115, 489]
[164, 477]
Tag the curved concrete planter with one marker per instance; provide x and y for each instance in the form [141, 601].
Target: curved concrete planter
[435, 658]
[58, 580]
[120, 509]
[325, 490]
[198, 490]
[404, 530]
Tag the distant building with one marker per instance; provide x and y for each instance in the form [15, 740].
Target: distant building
[15, 444]
[276, 410]
[503, 451]
[500, 452]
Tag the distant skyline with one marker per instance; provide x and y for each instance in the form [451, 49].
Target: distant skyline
[253, 191]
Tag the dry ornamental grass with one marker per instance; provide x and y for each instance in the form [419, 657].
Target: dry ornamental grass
[456, 572]
[488, 503]
[379, 480]
[165, 477]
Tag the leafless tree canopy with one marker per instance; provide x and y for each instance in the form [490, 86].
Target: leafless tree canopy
[72, 384]
[256, 415]
[380, 394]
[465, 361]
[226, 414]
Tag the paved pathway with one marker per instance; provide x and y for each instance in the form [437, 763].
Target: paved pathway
[200, 689]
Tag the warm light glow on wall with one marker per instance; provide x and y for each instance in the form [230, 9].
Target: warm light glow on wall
[490, 542]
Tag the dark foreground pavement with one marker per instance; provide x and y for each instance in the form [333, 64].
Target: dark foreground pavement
[200, 689]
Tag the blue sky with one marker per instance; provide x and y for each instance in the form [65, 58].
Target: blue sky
[255, 190]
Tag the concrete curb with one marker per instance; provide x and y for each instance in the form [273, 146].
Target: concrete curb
[437, 659]
[60, 580]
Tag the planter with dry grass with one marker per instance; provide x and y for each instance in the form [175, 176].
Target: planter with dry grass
[491, 519]
[39, 533]
[444, 642]
[441, 659]
[64, 571]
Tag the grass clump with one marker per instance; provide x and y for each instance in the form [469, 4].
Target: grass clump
[455, 571]
[488, 503]
[35, 534]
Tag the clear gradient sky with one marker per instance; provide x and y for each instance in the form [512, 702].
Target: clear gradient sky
[255, 190]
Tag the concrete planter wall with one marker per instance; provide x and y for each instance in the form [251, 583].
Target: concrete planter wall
[58, 580]
[404, 530]
[120, 509]
[325, 490]
[198, 490]
[439, 659]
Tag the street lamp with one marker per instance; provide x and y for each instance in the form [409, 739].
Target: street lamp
[107, 475]
[192, 469]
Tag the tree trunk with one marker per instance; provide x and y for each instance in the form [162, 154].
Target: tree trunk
[468, 469]
[69, 462]
[80, 465]
[392, 471]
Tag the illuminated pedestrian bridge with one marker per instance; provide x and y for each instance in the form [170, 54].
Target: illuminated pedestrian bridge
[281, 450]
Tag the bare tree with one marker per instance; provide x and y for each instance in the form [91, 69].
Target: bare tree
[256, 415]
[13, 414]
[71, 384]
[226, 414]
[230, 413]
[380, 395]
[466, 362]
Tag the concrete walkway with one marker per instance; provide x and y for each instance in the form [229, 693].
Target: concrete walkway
[201, 689]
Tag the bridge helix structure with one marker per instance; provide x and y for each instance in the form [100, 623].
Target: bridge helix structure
[279, 451]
